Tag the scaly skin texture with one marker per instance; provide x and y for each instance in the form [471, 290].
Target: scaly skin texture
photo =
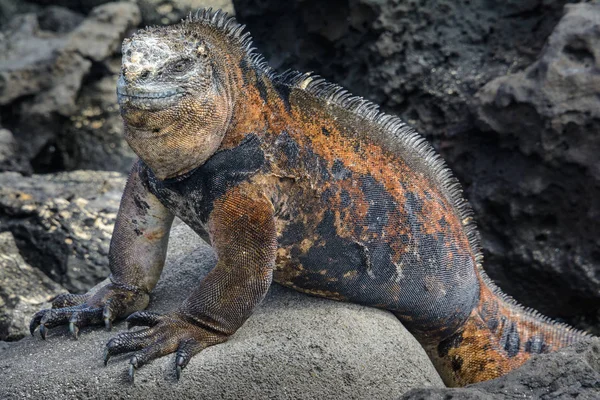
[296, 181]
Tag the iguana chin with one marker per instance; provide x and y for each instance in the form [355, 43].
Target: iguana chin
[296, 181]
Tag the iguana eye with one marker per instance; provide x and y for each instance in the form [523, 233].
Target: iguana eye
[181, 65]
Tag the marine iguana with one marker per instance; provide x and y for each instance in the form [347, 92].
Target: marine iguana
[297, 181]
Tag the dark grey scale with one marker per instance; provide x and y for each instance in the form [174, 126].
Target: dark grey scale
[294, 233]
[262, 88]
[140, 203]
[338, 170]
[489, 314]
[192, 196]
[381, 204]
[345, 199]
[535, 345]
[283, 91]
[510, 340]
[284, 144]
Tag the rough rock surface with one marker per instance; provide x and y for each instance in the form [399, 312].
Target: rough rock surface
[550, 112]
[293, 346]
[528, 168]
[63, 223]
[154, 12]
[572, 372]
[45, 59]
[10, 158]
[161, 12]
[23, 290]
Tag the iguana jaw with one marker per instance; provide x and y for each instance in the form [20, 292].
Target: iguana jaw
[156, 98]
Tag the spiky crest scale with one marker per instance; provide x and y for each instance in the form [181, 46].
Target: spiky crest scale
[401, 137]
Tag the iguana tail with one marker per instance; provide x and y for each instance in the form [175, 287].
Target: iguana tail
[497, 337]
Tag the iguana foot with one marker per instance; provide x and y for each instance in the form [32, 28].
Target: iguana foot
[165, 334]
[106, 305]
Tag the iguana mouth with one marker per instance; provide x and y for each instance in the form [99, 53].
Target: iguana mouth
[147, 99]
[140, 94]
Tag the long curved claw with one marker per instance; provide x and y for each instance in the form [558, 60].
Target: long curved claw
[43, 331]
[143, 318]
[106, 356]
[150, 353]
[35, 321]
[74, 329]
[108, 317]
[112, 309]
[131, 373]
[83, 317]
[187, 349]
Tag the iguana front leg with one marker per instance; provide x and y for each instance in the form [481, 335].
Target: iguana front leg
[136, 258]
[242, 231]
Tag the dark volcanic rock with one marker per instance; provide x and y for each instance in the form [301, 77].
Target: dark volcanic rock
[93, 138]
[422, 59]
[165, 12]
[572, 372]
[535, 192]
[45, 59]
[551, 113]
[63, 223]
[154, 12]
[23, 290]
[10, 158]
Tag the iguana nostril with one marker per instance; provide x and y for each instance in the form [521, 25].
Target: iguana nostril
[145, 74]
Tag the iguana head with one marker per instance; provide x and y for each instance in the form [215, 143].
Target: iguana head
[176, 92]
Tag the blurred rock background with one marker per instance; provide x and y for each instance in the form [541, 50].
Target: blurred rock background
[508, 92]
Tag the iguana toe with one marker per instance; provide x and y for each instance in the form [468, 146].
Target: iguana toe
[69, 300]
[170, 333]
[106, 305]
[55, 317]
[185, 352]
[84, 317]
[142, 318]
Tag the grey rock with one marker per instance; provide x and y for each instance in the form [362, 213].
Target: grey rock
[63, 222]
[101, 33]
[551, 112]
[23, 290]
[572, 372]
[293, 346]
[83, 6]
[10, 158]
[154, 12]
[8, 146]
[10, 8]
[59, 19]
[161, 12]
[43, 65]
[94, 137]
